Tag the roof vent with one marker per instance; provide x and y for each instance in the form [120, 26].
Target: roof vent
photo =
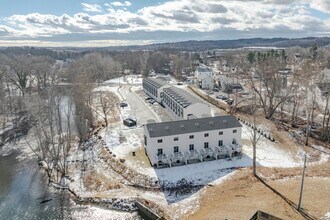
[182, 126]
[151, 129]
[225, 121]
[196, 124]
[167, 128]
[211, 123]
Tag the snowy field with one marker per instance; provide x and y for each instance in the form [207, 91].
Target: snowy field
[268, 154]
[130, 79]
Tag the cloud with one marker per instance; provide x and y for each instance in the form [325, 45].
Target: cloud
[91, 7]
[321, 5]
[120, 4]
[185, 19]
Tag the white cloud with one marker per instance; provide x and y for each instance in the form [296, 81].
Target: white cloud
[91, 7]
[121, 4]
[321, 5]
[275, 18]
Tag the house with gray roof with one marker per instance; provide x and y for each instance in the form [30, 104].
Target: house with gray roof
[194, 140]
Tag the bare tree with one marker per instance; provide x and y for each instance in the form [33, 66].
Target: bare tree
[20, 72]
[54, 140]
[43, 72]
[269, 86]
[309, 78]
[107, 101]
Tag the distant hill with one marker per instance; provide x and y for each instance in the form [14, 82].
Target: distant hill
[62, 52]
[232, 44]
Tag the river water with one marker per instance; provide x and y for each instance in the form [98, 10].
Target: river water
[23, 189]
[23, 186]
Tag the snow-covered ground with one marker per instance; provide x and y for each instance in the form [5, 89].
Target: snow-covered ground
[130, 79]
[268, 154]
[92, 212]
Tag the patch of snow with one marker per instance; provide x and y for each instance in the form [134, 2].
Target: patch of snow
[203, 173]
[130, 79]
[112, 139]
[268, 154]
[326, 216]
[92, 212]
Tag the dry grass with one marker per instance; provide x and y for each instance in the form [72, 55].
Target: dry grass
[242, 195]
[94, 181]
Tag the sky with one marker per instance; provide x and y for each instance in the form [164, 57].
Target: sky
[98, 23]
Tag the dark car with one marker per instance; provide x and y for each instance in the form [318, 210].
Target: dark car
[123, 104]
[230, 101]
[152, 101]
[222, 97]
[129, 122]
[179, 84]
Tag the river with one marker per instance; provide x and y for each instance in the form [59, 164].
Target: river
[23, 188]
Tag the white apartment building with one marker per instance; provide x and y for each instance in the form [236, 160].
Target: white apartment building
[182, 105]
[206, 82]
[153, 87]
[190, 141]
[205, 77]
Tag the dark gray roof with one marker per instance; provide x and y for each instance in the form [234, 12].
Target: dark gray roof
[182, 97]
[191, 126]
[157, 82]
[203, 69]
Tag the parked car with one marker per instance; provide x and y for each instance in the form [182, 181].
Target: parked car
[230, 101]
[179, 84]
[123, 104]
[152, 101]
[220, 97]
[129, 122]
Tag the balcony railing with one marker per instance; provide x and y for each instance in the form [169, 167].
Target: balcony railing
[162, 160]
[161, 157]
[207, 153]
[177, 156]
[222, 150]
[192, 154]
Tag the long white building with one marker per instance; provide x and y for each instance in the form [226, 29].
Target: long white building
[190, 141]
[179, 103]
[182, 105]
[153, 87]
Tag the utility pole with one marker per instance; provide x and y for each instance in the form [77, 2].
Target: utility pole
[302, 184]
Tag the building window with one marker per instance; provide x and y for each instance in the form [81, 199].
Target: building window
[234, 141]
[160, 151]
[206, 145]
[176, 149]
[206, 134]
[220, 143]
[176, 139]
[191, 137]
[160, 140]
[234, 131]
[191, 147]
[220, 132]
